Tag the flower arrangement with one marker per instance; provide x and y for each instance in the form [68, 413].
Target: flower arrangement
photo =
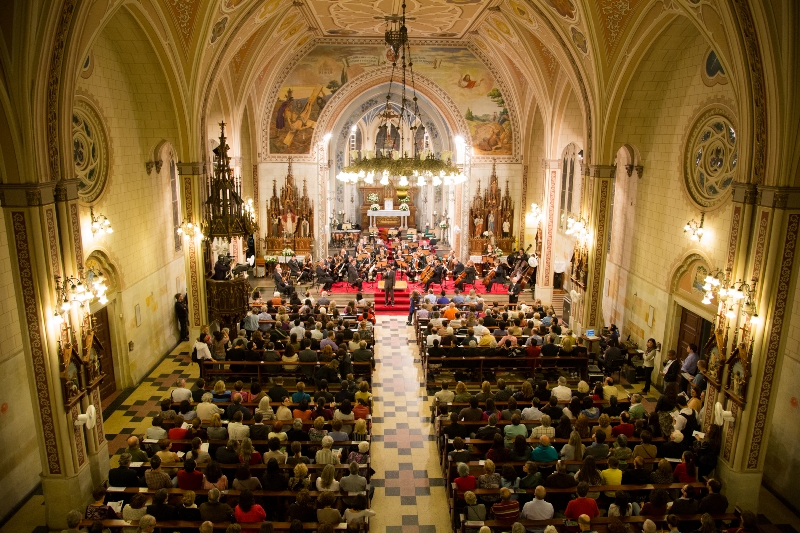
[373, 198]
[443, 224]
[374, 207]
[270, 259]
[487, 234]
[287, 252]
[403, 207]
[405, 200]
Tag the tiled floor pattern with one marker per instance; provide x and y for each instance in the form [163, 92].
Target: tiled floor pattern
[409, 489]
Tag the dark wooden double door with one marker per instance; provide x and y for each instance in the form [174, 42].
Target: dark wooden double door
[103, 334]
[694, 329]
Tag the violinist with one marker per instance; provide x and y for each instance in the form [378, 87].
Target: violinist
[470, 276]
[514, 289]
[323, 276]
[294, 266]
[308, 267]
[352, 275]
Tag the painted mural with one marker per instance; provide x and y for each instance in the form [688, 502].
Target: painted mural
[325, 69]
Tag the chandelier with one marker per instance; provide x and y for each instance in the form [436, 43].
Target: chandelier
[719, 283]
[226, 214]
[420, 167]
[100, 223]
[78, 292]
[578, 228]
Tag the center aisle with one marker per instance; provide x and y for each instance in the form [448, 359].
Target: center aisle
[409, 487]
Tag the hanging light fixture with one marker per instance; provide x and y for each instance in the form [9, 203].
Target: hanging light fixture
[190, 231]
[578, 228]
[77, 292]
[226, 214]
[533, 216]
[100, 223]
[695, 229]
[399, 165]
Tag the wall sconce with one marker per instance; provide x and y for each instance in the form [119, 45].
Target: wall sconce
[100, 223]
[533, 217]
[694, 229]
[577, 227]
[78, 292]
[191, 231]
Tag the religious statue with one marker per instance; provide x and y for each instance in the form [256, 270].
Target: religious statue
[506, 228]
[490, 224]
[478, 225]
[276, 226]
[304, 228]
[289, 220]
[738, 381]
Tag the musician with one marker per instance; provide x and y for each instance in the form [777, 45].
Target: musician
[470, 277]
[280, 285]
[514, 289]
[323, 276]
[490, 250]
[388, 286]
[499, 276]
[222, 268]
[352, 275]
[294, 265]
[308, 268]
[345, 257]
[438, 274]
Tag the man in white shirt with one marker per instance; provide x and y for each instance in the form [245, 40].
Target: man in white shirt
[237, 430]
[433, 336]
[445, 395]
[263, 315]
[181, 392]
[537, 509]
[561, 391]
[298, 329]
[609, 389]
[684, 412]
[203, 351]
[480, 330]
[532, 412]
[316, 333]
[429, 298]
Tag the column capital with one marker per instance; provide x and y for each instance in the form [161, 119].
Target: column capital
[554, 164]
[601, 171]
[779, 197]
[27, 194]
[744, 193]
[66, 190]
[197, 168]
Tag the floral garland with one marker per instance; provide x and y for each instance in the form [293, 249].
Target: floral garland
[403, 166]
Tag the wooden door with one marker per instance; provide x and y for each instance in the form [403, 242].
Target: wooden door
[103, 334]
[690, 332]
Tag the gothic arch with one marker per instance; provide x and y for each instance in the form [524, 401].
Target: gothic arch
[100, 259]
[683, 267]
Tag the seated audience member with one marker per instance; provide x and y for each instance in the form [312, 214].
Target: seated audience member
[544, 429]
[489, 480]
[465, 481]
[326, 513]
[646, 450]
[134, 510]
[613, 409]
[302, 509]
[714, 503]
[657, 504]
[213, 510]
[188, 510]
[98, 510]
[247, 511]
[544, 453]
[622, 505]
[245, 480]
[357, 511]
[274, 452]
[326, 456]
[498, 452]
[155, 477]
[561, 391]
[189, 478]
[598, 449]
[538, 508]
[228, 454]
[552, 409]
[506, 508]
[123, 475]
[674, 448]
[686, 471]
[533, 478]
[473, 511]
[686, 504]
[160, 509]
[488, 431]
[624, 427]
[637, 410]
[156, 432]
[636, 475]
[137, 454]
[612, 475]
[582, 505]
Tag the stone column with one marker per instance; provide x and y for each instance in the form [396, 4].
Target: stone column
[772, 260]
[193, 194]
[544, 273]
[34, 230]
[598, 208]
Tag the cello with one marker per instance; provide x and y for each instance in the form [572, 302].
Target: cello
[426, 274]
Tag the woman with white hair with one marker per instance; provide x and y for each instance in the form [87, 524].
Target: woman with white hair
[206, 408]
[147, 524]
[265, 408]
[326, 456]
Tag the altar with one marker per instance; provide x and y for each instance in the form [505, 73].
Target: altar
[388, 218]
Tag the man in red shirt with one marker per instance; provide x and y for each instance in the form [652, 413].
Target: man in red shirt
[582, 504]
[624, 427]
[178, 433]
[189, 478]
[506, 508]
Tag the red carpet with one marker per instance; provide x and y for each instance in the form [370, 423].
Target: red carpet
[402, 298]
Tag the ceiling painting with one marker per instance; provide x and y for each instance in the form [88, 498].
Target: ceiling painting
[424, 18]
[308, 87]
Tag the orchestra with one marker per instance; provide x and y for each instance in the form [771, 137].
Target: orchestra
[370, 262]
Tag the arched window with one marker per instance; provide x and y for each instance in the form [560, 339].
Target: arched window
[569, 203]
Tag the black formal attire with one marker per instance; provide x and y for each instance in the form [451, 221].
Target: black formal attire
[324, 278]
[294, 267]
[388, 286]
[221, 270]
[182, 314]
[123, 476]
[673, 372]
[280, 284]
[468, 279]
[438, 271]
[513, 292]
[352, 277]
[499, 277]
[550, 350]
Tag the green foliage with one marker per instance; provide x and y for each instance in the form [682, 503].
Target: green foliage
[404, 166]
[497, 98]
[468, 115]
[333, 85]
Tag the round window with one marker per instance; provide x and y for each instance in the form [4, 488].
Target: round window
[711, 159]
[89, 151]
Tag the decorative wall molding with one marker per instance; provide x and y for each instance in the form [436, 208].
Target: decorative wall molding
[76, 234]
[733, 239]
[194, 278]
[191, 169]
[27, 194]
[77, 433]
[763, 222]
[600, 245]
[53, 87]
[52, 240]
[35, 337]
[774, 336]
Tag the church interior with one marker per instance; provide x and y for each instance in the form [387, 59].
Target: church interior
[268, 175]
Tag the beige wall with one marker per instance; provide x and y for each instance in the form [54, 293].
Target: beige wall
[20, 461]
[663, 97]
[131, 93]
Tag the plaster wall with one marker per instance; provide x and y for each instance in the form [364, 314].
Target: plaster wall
[664, 95]
[20, 463]
[131, 93]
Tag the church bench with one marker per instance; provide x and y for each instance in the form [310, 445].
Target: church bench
[170, 526]
[599, 524]
[262, 369]
[174, 493]
[286, 423]
[478, 362]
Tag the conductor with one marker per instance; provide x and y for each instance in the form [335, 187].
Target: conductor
[388, 285]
